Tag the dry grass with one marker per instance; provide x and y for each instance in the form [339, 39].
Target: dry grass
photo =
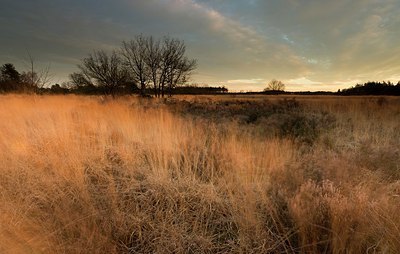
[91, 175]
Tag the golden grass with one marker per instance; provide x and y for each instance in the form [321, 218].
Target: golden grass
[92, 175]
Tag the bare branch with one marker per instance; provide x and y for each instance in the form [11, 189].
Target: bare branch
[107, 70]
[275, 85]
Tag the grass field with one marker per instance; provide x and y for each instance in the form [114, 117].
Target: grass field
[206, 174]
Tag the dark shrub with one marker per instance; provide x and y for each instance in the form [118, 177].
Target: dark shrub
[305, 127]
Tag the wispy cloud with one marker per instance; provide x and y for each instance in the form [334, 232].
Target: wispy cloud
[246, 81]
[302, 81]
[219, 23]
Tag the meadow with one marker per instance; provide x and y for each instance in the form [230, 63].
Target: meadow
[199, 174]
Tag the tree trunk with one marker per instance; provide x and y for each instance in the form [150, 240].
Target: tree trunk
[143, 88]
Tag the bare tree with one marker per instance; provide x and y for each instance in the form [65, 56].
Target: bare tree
[160, 64]
[79, 79]
[106, 70]
[180, 72]
[177, 67]
[35, 79]
[152, 58]
[167, 63]
[133, 53]
[275, 85]
[173, 51]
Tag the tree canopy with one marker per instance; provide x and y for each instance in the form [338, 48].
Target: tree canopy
[275, 85]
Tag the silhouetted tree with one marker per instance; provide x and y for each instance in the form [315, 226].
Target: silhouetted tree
[36, 79]
[176, 68]
[78, 79]
[107, 71]
[157, 63]
[275, 85]
[9, 73]
[152, 60]
[10, 79]
[167, 64]
[133, 53]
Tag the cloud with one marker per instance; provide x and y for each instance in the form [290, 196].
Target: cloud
[233, 40]
[348, 83]
[302, 81]
[246, 81]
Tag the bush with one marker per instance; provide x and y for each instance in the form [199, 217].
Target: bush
[305, 127]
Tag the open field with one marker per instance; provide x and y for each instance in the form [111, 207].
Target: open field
[205, 174]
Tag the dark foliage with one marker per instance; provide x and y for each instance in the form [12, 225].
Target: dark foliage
[9, 73]
[273, 92]
[12, 81]
[373, 88]
[286, 118]
[9, 78]
[58, 89]
[199, 90]
[125, 89]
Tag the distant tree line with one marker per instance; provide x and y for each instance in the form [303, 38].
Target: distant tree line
[31, 82]
[368, 88]
[372, 88]
[145, 66]
[132, 89]
[194, 89]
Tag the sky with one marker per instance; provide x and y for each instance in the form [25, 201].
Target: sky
[310, 45]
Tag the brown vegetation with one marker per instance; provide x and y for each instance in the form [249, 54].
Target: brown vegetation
[199, 175]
